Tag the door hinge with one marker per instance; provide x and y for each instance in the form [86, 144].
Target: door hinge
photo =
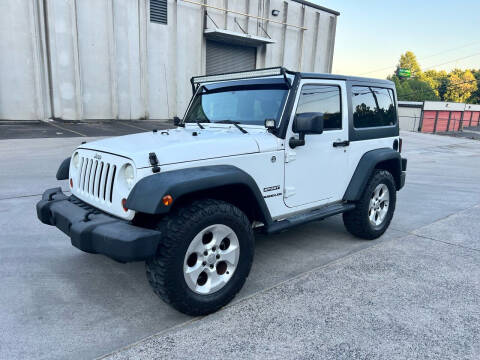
[289, 191]
[290, 156]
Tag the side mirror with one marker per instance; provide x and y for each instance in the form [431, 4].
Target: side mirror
[176, 121]
[306, 123]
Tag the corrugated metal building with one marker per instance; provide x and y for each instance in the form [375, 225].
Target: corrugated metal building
[132, 59]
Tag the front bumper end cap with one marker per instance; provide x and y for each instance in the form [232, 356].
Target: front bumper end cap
[96, 232]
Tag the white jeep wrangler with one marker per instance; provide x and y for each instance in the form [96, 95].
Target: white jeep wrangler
[263, 150]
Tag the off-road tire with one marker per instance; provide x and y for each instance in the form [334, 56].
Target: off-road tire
[165, 270]
[357, 222]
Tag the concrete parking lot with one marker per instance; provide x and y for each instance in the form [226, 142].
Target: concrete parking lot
[314, 291]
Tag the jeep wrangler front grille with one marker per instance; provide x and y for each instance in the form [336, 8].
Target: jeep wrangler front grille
[97, 178]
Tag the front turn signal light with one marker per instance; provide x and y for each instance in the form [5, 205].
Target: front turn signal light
[167, 200]
[124, 204]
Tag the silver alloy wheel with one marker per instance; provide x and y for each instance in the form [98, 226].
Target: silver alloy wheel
[211, 259]
[378, 207]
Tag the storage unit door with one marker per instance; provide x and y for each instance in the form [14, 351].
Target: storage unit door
[428, 122]
[467, 116]
[475, 116]
[442, 121]
[223, 58]
[455, 121]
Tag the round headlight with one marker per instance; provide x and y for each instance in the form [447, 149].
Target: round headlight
[76, 160]
[129, 175]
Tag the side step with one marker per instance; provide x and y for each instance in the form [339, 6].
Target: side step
[318, 214]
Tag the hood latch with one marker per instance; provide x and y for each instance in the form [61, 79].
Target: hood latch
[154, 162]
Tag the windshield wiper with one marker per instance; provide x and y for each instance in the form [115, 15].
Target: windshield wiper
[234, 123]
[196, 122]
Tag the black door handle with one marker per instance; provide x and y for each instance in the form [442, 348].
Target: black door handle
[341, 143]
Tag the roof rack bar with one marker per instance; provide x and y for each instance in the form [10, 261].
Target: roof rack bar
[273, 71]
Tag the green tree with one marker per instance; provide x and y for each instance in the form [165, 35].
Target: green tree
[409, 61]
[461, 85]
[414, 90]
[475, 97]
[438, 81]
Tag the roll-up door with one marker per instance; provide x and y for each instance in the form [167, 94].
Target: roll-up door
[224, 58]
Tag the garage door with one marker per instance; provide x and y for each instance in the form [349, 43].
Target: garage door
[223, 58]
[428, 123]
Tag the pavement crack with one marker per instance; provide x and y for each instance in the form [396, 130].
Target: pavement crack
[445, 242]
[27, 196]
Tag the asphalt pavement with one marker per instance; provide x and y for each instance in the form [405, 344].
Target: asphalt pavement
[315, 291]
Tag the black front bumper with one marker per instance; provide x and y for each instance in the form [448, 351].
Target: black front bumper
[94, 231]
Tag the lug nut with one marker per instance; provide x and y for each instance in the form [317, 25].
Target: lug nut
[204, 263]
[214, 248]
[218, 256]
[205, 253]
[211, 266]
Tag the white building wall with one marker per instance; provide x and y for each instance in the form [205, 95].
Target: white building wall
[23, 93]
[104, 59]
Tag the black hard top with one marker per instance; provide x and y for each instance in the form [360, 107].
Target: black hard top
[276, 80]
[306, 75]
[251, 78]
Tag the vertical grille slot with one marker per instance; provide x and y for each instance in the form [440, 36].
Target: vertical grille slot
[82, 173]
[88, 169]
[94, 178]
[99, 179]
[105, 182]
[113, 181]
[108, 184]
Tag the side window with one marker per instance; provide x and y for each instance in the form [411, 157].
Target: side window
[324, 99]
[372, 107]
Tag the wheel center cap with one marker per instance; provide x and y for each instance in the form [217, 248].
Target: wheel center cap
[211, 259]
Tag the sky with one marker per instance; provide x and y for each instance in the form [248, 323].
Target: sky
[372, 34]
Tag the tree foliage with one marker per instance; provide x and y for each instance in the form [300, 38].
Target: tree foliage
[413, 89]
[409, 61]
[461, 85]
[458, 85]
[475, 97]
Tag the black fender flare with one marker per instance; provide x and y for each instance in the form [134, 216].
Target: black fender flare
[146, 195]
[63, 169]
[365, 168]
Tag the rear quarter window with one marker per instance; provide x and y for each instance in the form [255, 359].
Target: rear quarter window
[373, 107]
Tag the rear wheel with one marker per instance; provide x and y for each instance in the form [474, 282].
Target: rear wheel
[374, 211]
[204, 258]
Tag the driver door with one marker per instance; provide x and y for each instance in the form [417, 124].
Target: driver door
[316, 173]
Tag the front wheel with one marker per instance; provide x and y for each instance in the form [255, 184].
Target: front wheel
[374, 211]
[204, 258]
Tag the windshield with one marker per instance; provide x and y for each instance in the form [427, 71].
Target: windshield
[249, 105]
